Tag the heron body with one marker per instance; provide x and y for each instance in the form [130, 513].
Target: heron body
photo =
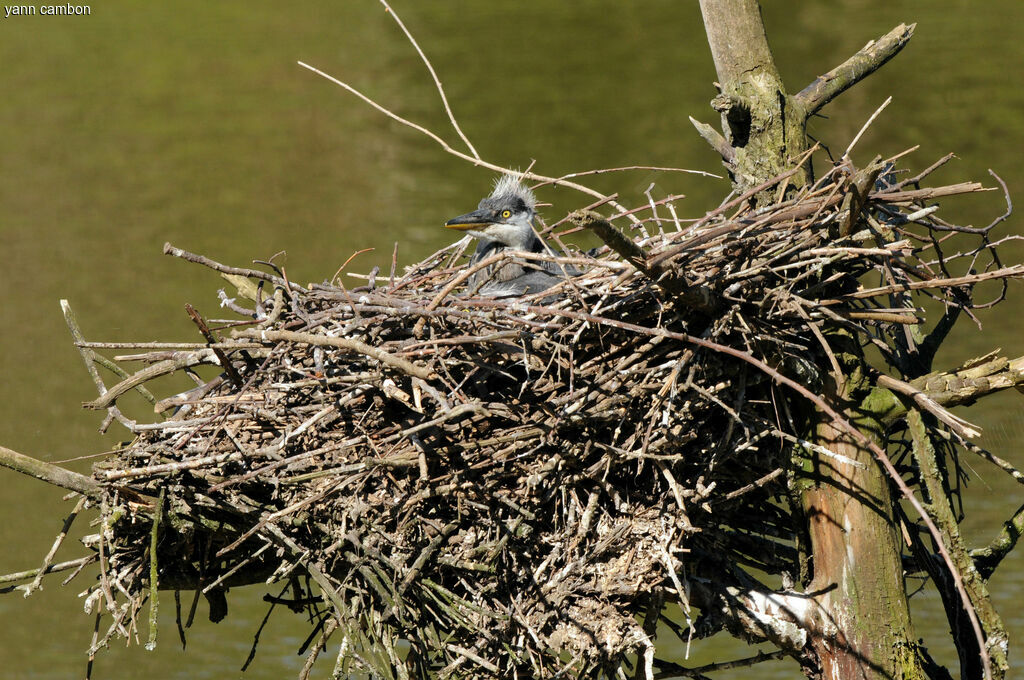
[504, 221]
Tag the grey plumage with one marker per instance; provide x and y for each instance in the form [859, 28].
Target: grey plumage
[504, 221]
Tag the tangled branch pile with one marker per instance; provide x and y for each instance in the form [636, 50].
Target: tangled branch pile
[518, 486]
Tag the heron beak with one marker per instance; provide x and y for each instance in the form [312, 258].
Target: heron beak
[473, 220]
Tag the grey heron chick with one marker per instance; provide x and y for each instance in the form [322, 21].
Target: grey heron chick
[504, 221]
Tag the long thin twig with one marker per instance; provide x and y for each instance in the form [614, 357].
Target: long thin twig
[433, 75]
[447, 147]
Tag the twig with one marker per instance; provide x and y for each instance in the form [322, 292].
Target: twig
[217, 266]
[51, 474]
[433, 75]
[868, 60]
[154, 579]
[444, 145]
[863, 129]
[50, 569]
[343, 343]
[45, 568]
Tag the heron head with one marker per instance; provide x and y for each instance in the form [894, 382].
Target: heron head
[505, 216]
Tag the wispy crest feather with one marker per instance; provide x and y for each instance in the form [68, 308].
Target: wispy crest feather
[512, 186]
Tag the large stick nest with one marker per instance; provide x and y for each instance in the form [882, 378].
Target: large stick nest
[509, 485]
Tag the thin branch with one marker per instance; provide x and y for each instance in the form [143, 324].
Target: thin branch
[51, 474]
[716, 140]
[216, 266]
[433, 75]
[50, 569]
[447, 147]
[869, 59]
[863, 129]
[342, 343]
[987, 559]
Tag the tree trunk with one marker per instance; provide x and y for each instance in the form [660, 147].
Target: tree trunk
[763, 126]
[861, 627]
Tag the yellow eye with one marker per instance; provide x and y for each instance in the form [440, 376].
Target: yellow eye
[505, 214]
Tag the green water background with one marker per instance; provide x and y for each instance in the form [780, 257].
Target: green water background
[190, 122]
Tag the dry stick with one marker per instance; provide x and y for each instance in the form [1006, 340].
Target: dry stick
[43, 570]
[93, 647]
[654, 168]
[699, 297]
[739, 200]
[154, 591]
[329, 627]
[342, 343]
[837, 419]
[166, 345]
[349, 443]
[858, 189]
[627, 248]
[913, 195]
[963, 428]
[444, 145]
[345, 263]
[314, 571]
[52, 474]
[107, 399]
[224, 269]
[88, 356]
[866, 125]
[699, 672]
[647, 206]
[462, 339]
[593, 206]
[1015, 271]
[456, 282]
[50, 569]
[756, 484]
[1003, 465]
[269, 518]
[437, 82]
[104, 579]
[235, 569]
[837, 371]
[123, 374]
[885, 317]
[924, 173]
[567, 259]
[168, 468]
[204, 329]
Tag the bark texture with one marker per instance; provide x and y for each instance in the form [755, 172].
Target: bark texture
[860, 626]
[863, 628]
[763, 126]
[763, 130]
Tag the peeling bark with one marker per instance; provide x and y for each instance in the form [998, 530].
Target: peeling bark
[863, 629]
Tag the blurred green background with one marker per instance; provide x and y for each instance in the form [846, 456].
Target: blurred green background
[191, 122]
